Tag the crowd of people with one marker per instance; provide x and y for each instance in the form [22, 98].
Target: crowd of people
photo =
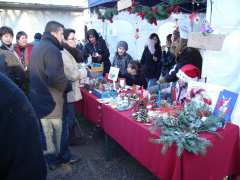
[39, 84]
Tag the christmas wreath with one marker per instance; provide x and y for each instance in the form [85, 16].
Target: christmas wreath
[184, 128]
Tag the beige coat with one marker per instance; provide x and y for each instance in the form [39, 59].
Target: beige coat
[73, 73]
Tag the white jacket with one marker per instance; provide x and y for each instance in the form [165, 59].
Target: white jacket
[73, 73]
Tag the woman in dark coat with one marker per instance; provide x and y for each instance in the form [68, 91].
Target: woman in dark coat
[185, 55]
[151, 60]
[97, 49]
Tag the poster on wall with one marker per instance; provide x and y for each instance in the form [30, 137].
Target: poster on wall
[206, 41]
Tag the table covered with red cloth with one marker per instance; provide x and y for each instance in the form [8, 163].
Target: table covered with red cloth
[222, 158]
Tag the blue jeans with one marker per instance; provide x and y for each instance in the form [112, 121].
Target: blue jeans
[68, 121]
[151, 82]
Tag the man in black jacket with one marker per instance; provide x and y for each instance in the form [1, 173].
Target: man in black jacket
[48, 85]
[21, 152]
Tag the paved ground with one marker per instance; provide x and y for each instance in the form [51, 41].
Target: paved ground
[93, 165]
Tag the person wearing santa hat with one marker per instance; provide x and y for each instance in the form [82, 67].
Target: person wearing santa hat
[187, 73]
[184, 55]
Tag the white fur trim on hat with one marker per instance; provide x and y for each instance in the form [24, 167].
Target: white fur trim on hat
[181, 75]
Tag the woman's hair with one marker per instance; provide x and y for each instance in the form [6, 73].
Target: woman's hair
[158, 44]
[5, 30]
[66, 33]
[92, 32]
[180, 46]
[19, 34]
[135, 65]
[169, 38]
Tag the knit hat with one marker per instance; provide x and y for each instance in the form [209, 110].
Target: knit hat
[122, 44]
[184, 28]
[188, 72]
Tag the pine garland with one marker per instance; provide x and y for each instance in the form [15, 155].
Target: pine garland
[158, 12]
[184, 128]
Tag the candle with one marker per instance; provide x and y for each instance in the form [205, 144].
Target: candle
[142, 90]
[149, 98]
[159, 98]
[114, 85]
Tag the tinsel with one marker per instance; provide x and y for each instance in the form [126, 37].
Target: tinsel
[183, 129]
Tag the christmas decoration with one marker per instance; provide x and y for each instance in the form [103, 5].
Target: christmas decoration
[136, 36]
[184, 127]
[141, 112]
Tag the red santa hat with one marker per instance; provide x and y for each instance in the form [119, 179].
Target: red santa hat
[188, 72]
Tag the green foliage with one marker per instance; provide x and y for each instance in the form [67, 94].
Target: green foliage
[174, 2]
[151, 14]
[184, 128]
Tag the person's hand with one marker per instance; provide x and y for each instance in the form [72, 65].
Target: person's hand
[99, 57]
[155, 58]
[161, 80]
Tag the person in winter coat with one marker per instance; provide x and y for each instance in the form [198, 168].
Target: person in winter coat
[23, 48]
[168, 58]
[97, 49]
[37, 39]
[134, 75]
[3, 67]
[21, 154]
[14, 67]
[121, 58]
[74, 75]
[184, 55]
[151, 60]
[48, 85]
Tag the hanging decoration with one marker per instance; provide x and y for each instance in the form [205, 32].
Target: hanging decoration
[136, 36]
[106, 14]
[152, 14]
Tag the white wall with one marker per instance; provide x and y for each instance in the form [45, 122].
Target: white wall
[32, 21]
[83, 3]
[222, 67]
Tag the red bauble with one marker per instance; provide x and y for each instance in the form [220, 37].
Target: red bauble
[110, 20]
[141, 14]
[153, 21]
[192, 16]
[129, 10]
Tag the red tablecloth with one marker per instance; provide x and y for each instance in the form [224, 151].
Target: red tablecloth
[222, 159]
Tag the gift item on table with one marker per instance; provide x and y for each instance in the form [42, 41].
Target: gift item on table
[122, 82]
[96, 67]
[141, 112]
[104, 94]
[225, 104]
[124, 104]
[113, 74]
